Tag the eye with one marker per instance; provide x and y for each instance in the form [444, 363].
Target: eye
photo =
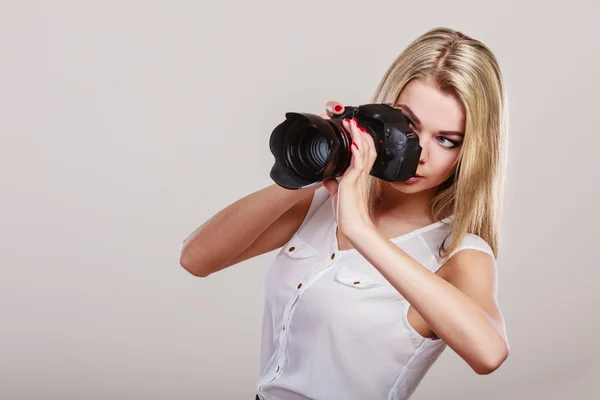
[447, 142]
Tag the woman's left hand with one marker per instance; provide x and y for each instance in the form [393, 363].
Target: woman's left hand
[351, 209]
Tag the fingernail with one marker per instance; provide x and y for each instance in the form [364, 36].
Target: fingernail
[354, 144]
[354, 121]
[338, 108]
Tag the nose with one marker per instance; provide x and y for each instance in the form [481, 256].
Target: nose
[424, 143]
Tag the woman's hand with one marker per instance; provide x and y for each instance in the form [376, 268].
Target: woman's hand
[349, 193]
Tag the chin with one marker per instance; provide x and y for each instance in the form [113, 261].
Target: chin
[409, 187]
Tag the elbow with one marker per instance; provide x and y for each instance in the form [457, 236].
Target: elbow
[492, 360]
[193, 269]
[195, 272]
[189, 265]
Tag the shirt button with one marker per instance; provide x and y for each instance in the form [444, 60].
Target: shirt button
[299, 286]
[277, 370]
[332, 256]
[284, 327]
[292, 248]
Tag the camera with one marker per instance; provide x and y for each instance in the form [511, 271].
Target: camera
[309, 149]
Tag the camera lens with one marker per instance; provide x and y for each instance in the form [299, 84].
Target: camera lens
[313, 149]
[307, 154]
[307, 149]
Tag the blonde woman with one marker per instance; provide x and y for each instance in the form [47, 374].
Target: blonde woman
[375, 279]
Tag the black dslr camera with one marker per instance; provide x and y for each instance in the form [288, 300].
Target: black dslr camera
[309, 149]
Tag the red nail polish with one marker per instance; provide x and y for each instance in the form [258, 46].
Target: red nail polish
[354, 144]
[338, 108]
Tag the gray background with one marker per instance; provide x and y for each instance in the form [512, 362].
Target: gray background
[126, 124]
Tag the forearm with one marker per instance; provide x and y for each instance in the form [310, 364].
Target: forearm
[450, 313]
[236, 227]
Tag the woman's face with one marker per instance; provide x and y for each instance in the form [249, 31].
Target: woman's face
[439, 120]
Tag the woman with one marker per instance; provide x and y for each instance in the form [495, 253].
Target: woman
[376, 278]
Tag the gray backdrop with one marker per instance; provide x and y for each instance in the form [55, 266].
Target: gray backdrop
[126, 124]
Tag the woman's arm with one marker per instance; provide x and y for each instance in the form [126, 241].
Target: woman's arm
[257, 223]
[460, 308]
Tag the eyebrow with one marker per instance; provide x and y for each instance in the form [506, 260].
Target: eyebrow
[406, 108]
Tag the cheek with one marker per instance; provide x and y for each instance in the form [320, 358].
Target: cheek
[442, 162]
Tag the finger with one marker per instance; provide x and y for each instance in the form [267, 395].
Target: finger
[355, 133]
[334, 107]
[366, 151]
[324, 116]
[357, 160]
[370, 151]
[370, 157]
[373, 153]
[356, 165]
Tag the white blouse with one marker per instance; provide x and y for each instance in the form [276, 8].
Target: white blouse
[333, 326]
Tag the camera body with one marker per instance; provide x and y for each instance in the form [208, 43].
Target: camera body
[309, 149]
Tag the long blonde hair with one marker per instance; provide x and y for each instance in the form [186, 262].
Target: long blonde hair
[466, 69]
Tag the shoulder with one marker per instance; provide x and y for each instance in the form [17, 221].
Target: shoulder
[471, 250]
[472, 260]
[472, 241]
[440, 238]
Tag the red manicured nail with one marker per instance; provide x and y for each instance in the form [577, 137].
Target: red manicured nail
[354, 144]
[338, 108]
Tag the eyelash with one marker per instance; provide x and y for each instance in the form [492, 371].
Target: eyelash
[453, 142]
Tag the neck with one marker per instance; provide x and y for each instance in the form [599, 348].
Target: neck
[408, 207]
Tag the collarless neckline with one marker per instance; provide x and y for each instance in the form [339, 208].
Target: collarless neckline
[400, 238]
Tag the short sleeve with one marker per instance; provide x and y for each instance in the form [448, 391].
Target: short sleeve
[473, 242]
